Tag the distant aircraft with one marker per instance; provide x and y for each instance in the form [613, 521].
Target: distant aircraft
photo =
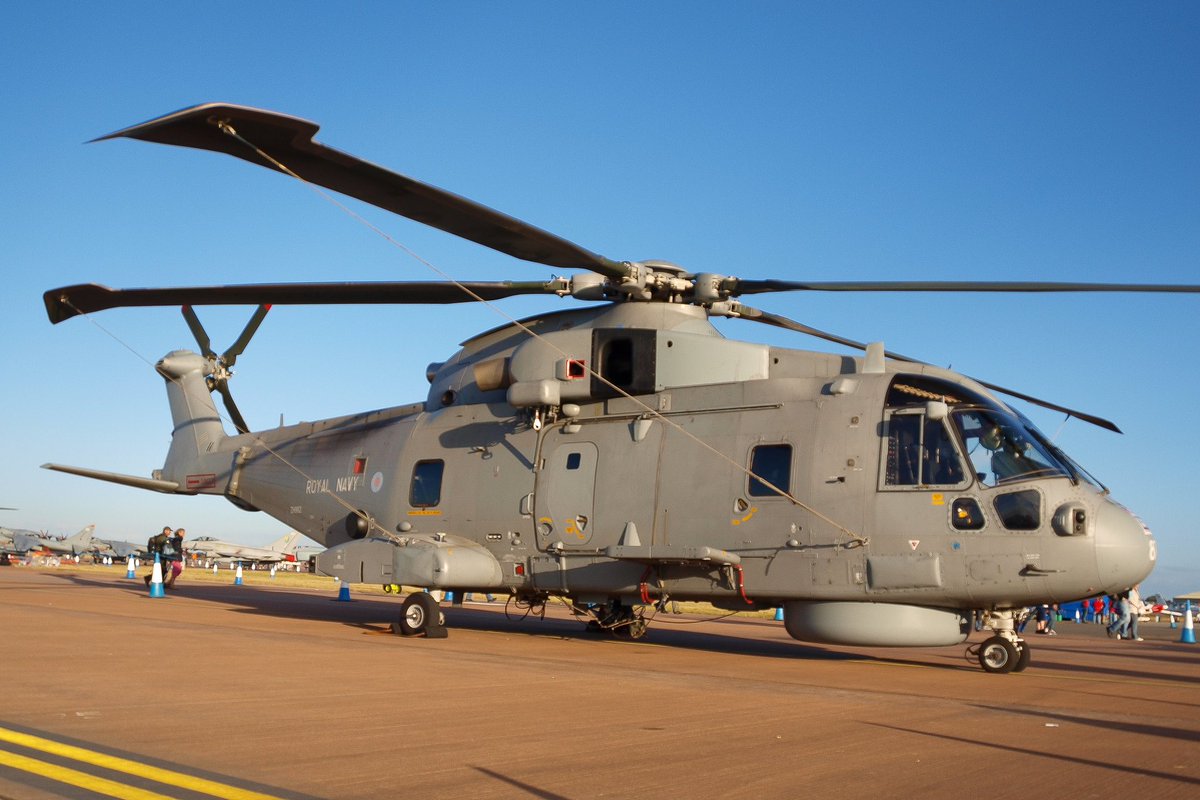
[75, 545]
[1158, 609]
[303, 552]
[22, 541]
[118, 550]
[17, 541]
[220, 550]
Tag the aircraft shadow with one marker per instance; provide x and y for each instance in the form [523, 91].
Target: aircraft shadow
[377, 614]
[1154, 655]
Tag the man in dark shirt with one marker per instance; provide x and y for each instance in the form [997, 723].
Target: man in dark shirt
[156, 545]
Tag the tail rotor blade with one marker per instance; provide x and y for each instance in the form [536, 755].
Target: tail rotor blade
[198, 331]
[234, 414]
[248, 332]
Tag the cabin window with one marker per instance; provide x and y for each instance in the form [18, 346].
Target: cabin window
[966, 515]
[773, 464]
[574, 460]
[1019, 511]
[921, 452]
[426, 489]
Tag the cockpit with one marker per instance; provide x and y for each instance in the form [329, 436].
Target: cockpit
[943, 434]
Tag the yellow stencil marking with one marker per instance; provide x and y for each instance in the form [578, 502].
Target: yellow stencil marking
[751, 513]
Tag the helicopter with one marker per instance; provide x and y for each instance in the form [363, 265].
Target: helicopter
[625, 454]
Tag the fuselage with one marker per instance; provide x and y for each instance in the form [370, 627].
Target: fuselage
[622, 452]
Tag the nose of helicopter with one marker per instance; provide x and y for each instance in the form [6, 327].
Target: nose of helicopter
[1125, 550]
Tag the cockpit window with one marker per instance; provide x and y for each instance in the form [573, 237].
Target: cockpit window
[921, 452]
[1002, 449]
[1002, 446]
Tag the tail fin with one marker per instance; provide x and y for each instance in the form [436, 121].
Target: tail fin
[80, 541]
[194, 463]
[197, 424]
[285, 543]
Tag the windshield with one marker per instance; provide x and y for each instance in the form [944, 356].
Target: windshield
[1003, 450]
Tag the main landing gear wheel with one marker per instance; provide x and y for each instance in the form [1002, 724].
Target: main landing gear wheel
[999, 655]
[421, 614]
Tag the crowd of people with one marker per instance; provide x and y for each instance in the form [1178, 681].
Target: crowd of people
[1118, 613]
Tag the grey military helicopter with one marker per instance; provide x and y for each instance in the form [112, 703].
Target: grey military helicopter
[625, 453]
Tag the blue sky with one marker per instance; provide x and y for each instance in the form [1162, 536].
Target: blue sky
[824, 141]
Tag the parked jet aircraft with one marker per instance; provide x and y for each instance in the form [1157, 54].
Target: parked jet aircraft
[220, 550]
[303, 552]
[118, 550]
[23, 541]
[17, 541]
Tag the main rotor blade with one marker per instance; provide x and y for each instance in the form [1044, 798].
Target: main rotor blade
[235, 350]
[84, 298]
[783, 322]
[289, 140]
[741, 287]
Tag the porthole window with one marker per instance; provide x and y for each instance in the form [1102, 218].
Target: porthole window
[966, 515]
[426, 488]
[772, 463]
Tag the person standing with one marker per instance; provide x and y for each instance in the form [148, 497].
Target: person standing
[1136, 607]
[1120, 616]
[173, 553]
[155, 546]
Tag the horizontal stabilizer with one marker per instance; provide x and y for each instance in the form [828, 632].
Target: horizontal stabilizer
[166, 487]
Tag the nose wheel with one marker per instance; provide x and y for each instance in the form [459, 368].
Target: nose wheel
[999, 655]
[1005, 651]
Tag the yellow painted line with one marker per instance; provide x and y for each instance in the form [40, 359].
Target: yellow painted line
[76, 778]
[170, 777]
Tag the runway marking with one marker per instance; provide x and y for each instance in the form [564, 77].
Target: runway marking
[76, 778]
[116, 764]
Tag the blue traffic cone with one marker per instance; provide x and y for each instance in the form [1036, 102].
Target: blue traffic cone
[156, 581]
[779, 614]
[237, 578]
[1174, 624]
[129, 571]
[1189, 635]
[344, 592]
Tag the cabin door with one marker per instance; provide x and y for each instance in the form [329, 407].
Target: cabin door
[564, 504]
